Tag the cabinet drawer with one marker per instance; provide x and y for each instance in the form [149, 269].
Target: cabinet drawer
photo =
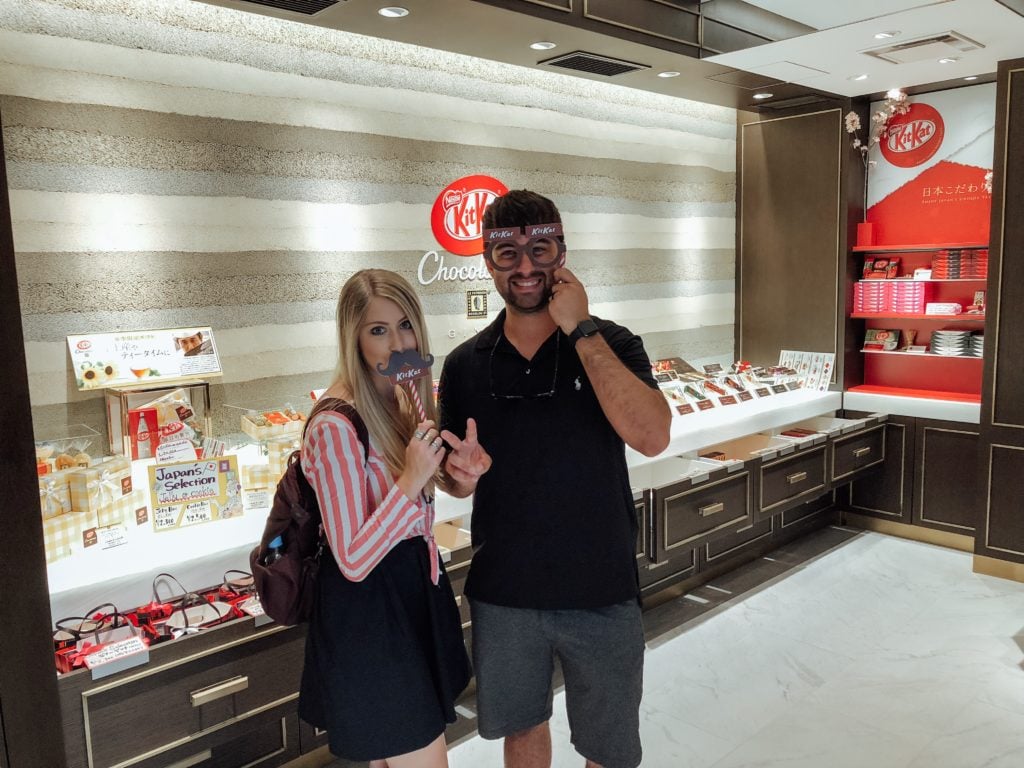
[857, 452]
[138, 716]
[785, 481]
[698, 513]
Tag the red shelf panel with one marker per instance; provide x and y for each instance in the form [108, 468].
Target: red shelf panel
[927, 394]
[911, 248]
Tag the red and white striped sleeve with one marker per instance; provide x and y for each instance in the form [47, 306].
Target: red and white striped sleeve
[359, 537]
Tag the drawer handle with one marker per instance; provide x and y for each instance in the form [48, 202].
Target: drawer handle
[711, 509]
[218, 691]
[796, 477]
[862, 451]
[196, 759]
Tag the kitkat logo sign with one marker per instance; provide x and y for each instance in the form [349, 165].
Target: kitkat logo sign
[458, 211]
[913, 138]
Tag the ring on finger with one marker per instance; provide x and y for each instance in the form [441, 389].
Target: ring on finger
[419, 434]
[436, 443]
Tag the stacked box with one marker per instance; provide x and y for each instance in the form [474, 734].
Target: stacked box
[872, 296]
[909, 297]
[99, 487]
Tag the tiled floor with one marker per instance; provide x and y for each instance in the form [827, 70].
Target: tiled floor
[863, 651]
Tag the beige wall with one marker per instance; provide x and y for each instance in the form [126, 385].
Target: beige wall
[172, 163]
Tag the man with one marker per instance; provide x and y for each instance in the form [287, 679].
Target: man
[554, 393]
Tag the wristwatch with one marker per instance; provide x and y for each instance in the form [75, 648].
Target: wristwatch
[586, 328]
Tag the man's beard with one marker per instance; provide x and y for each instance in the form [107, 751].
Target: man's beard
[512, 300]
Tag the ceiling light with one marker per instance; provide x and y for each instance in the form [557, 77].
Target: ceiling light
[668, 74]
[886, 35]
[857, 77]
[760, 96]
[971, 77]
[542, 45]
[393, 12]
[948, 60]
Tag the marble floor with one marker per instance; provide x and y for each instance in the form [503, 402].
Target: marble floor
[868, 651]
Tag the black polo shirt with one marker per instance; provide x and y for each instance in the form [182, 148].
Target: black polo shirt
[553, 520]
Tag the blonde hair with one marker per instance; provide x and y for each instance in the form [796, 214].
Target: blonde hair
[391, 429]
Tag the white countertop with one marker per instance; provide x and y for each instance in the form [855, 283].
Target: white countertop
[948, 410]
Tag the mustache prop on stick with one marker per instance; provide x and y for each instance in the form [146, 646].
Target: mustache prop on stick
[404, 368]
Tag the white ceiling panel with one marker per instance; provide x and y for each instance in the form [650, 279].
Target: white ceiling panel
[839, 51]
[825, 14]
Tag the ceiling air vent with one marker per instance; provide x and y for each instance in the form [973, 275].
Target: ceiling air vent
[306, 7]
[581, 61]
[925, 48]
[790, 103]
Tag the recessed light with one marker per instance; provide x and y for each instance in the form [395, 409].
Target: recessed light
[971, 77]
[393, 12]
[542, 45]
[949, 60]
[886, 35]
[760, 96]
[668, 74]
[857, 77]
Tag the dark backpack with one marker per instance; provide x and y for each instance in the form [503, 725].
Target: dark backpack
[285, 576]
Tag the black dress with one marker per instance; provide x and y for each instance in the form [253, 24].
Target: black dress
[385, 659]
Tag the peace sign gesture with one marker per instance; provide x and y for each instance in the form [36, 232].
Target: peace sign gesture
[467, 460]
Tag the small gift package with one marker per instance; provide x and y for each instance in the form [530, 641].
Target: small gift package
[54, 494]
[99, 487]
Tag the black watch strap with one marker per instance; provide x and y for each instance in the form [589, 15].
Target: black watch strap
[586, 328]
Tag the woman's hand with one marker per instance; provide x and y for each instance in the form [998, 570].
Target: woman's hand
[467, 460]
[423, 455]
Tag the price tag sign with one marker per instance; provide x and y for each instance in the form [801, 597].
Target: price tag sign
[114, 536]
[684, 409]
[778, 389]
[727, 400]
[705, 405]
[793, 385]
[256, 499]
[763, 391]
[252, 607]
[745, 396]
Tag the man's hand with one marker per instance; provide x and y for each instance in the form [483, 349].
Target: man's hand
[569, 304]
[467, 460]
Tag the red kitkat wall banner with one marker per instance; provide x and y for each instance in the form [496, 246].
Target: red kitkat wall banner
[927, 184]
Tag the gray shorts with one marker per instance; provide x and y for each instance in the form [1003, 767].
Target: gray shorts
[601, 651]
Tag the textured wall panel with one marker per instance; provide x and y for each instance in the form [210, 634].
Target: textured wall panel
[175, 163]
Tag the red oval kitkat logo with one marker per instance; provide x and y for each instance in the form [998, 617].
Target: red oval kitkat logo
[458, 212]
[913, 138]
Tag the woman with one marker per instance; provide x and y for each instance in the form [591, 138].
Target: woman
[384, 653]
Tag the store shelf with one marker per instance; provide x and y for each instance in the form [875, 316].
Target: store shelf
[936, 318]
[922, 403]
[920, 355]
[913, 248]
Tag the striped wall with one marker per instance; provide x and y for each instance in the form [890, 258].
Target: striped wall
[173, 163]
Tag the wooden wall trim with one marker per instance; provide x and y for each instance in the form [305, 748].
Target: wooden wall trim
[29, 704]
